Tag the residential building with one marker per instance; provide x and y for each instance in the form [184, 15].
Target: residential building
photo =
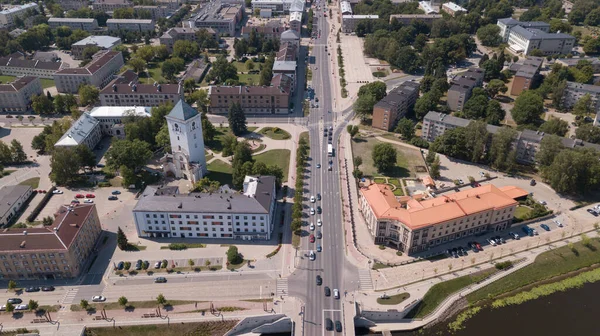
[196, 70]
[296, 21]
[421, 225]
[249, 215]
[156, 12]
[101, 41]
[7, 16]
[15, 97]
[409, 18]
[110, 118]
[110, 5]
[462, 87]
[285, 67]
[58, 251]
[172, 5]
[98, 72]
[88, 25]
[118, 93]
[253, 99]
[85, 130]
[130, 25]
[68, 5]
[574, 91]
[44, 56]
[345, 8]
[290, 36]
[266, 13]
[452, 8]
[283, 80]
[177, 33]
[12, 199]
[267, 31]
[526, 75]
[349, 22]
[428, 7]
[287, 52]
[523, 37]
[279, 6]
[395, 105]
[219, 15]
[187, 159]
[16, 32]
[572, 62]
[18, 66]
[435, 124]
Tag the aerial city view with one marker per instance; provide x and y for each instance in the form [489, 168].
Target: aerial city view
[292, 167]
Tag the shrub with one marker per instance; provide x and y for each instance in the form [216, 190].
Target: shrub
[177, 246]
[379, 74]
[504, 265]
[381, 247]
[127, 265]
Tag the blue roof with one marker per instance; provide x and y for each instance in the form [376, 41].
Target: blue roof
[182, 111]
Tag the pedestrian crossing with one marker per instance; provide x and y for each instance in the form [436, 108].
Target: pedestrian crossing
[282, 287]
[70, 296]
[364, 276]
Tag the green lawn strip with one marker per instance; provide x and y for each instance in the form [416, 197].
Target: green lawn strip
[32, 182]
[394, 299]
[276, 157]
[546, 266]
[259, 148]
[305, 136]
[8, 172]
[295, 240]
[275, 133]
[380, 266]
[405, 159]
[232, 267]
[251, 129]
[135, 304]
[522, 212]
[174, 329]
[249, 79]
[220, 171]
[7, 79]
[439, 292]
[46, 83]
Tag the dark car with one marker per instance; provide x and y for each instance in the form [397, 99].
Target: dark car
[112, 198]
[593, 212]
[462, 251]
[328, 324]
[32, 289]
[545, 227]
[145, 264]
[138, 265]
[338, 326]
[319, 235]
[319, 210]
[318, 197]
[14, 301]
[327, 291]
[116, 192]
[532, 182]
[120, 265]
[48, 289]
[319, 280]
[160, 280]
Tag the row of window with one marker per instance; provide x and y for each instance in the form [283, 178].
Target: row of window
[32, 256]
[205, 216]
[38, 269]
[35, 262]
[206, 223]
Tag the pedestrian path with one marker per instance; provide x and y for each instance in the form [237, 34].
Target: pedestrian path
[364, 276]
[282, 287]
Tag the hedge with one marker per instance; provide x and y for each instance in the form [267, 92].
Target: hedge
[41, 206]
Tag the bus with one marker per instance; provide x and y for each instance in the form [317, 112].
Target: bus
[330, 150]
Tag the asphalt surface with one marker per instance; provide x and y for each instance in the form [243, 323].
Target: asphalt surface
[330, 264]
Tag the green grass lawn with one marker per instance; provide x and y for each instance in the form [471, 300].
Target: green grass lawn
[394, 299]
[547, 265]
[220, 171]
[216, 144]
[175, 329]
[46, 83]
[406, 159]
[439, 292]
[305, 136]
[6, 79]
[276, 157]
[275, 133]
[249, 79]
[522, 212]
[33, 182]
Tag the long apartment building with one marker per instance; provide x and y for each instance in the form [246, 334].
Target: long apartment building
[12, 65]
[249, 215]
[253, 99]
[12, 199]
[523, 37]
[266, 31]
[58, 251]
[110, 5]
[15, 97]
[279, 6]
[526, 143]
[395, 105]
[88, 25]
[526, 75]
[349, 22]
[104, 65]
[156, 12]
[419, 225]
[575, 91]
[117, 93]
[175, 34]
[223, 17]
[572, 62]
[462, 87]
[68, 5]
[136, 25]
[7, 16]
[409, 18]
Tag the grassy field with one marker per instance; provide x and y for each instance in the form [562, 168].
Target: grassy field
[439, 292]
[406, 159]
[220, 171]
[277, 157]
[275, 133]
[394, 299]
[305, 136]
[246, 78]
[174, 329]
[33, 182]
[547, 265]
[46, 83]
[522, 212]
[216, 145]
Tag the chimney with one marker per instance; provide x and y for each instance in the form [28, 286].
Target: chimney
[73, 225]
[22, 244]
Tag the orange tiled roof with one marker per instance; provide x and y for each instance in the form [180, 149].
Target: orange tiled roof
[438, 210]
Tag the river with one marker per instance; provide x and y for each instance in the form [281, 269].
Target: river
[574, 312]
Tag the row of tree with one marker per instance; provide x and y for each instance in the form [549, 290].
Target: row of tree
[13, 154]
[302, 152]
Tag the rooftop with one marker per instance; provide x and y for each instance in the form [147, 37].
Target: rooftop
[427, 8]
[290, 34]
[80, 129]
[120, 111]
[85, 20]
[9, 195]
[536, 34]
[454, 7]
[447, 119]
[248, 90]
[100, 59]
[19, 8]
[296, 16]
[101, 41]
[360, 17]
[346, 7]
[140, 21]
[216, 10]
[574, 61]
[398, 95]
[284, 65]
[14, 62]
[527, 71]
[583, 87]
[182, 111]
[528, 24]
[117, 87]
[17, 84]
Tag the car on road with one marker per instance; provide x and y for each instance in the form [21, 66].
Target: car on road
[311, 238]
[80, 196]
[90, 196]
[491, 241]
[22, 307]
[116, 192]
[330, 168]
[312, 227]
[312, 199]
[338, 326]
[336, 293]
[542, 202]
[32, 289]
[319, 210]
[312, 211]
[514, 235]
[328, 324]
[319, 248]
[56, 191]
[138, 265]
[88, 200]
[14, 301]
[312, 256]
[532, 182]
[48, 289]
[327, 291]
[160, 280]
[317, 99]
[112, 198]
[98, 298]
[318, 165]
[319, 235]
[545, 227]
[319, 222]
[318, 197]
[499, 240]
[319, 280]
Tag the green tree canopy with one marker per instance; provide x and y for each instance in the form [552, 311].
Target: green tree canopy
[384, 157]
[528, 108]
[132, 154]
[555, 126]
[237, 119]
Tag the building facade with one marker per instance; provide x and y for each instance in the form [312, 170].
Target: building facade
[130, 25]
[102, 42]
[110, 118]
[452, 8]
[15, 97]
[349, 22]
[223, 17]
[156, 12]
[253, 99]
[12, 199]
[395, 105]
[246, 216]
[88, 25]
[7, 16]
[266, 31]
[84, 131]
[572, 62]
[68, 5]
[99, 72]
[523, 37]
[117, 93]
[462, 87]
[14, 66]
[296, 21]
[409, 18]
[279, 6]
[110, 5]
[59, 251]
[526, 75]
[575, 91]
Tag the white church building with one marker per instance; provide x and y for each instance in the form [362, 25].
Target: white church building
[187, 159]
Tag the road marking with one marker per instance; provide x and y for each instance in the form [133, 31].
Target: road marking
[364, 276]
[282, 287]
[69, 297]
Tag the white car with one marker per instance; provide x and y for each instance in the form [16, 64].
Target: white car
[319, 222]
[312, 211]
[312, 199]
[22, 307]
[88, 200]
[98, 298]
[543, 202]
[336, 293]
[492, 242]
[56, 191]
[312, 255]
[558, 223]
[312, 227]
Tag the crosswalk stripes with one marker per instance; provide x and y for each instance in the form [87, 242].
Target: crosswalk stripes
[364, 276]
[282, 287]
[70, 296]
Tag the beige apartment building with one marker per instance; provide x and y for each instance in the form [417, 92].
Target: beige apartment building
[88, 25]
[130, 25]
[16, 96]
[416, 226]
[253, 99]
[110, 5]
[117, 93]
[12, 65]
[7, 16]
[395, 105]
[59, 251]
[98, 72]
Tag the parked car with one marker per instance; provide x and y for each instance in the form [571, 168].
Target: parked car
[499, 240]
[593, 212]
[328, 324]
[558, 223]
[48, 289]
[318, 165]
[312, 199]
[319, 222]
[319, 248]
[327, 291]
[88, 200]
[160, 280]
[80, 196]
[532, 182]
[157, 265]
[545, 227]
[336, 293]
[514, 235]
[312, 227]
[462, 251]
[98, 298]
[318, 196]
[14, 301]
[312, 256]
[319, 235]
[138, 265]
[146, 264]
[120, 265]
[319, 280]
[116, 192]
[56, 191]
[112, 198]
[527, 230]
[491, 241]
[311, 238]
[22, 307]
[319, 210]
[90, 196]
[312, 211]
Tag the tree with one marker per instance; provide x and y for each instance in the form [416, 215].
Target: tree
[162, 138]
[555, 126]
[377, 89]
[266, 73]
[406, 128]
[122, 241]
[583, 106]
[494, 112]
[123, 301]
[589, 133]
[137, 64]
[160, 299]
[18, 154]
[128, 176]
[242, 164]
[384, 157]
[221, 71]
[132, 154]
[425, 103]
[363, 106]
[229, 142]
[168, 69]
[65, 165]
[249, 65]
[146, 53]
[88, 52]
[434, 169]
[207, 185]
[208, 129]
[185, 49]
[550, 146]
[528, 108]
[87, 158]
[357, 161]
[233, 256]
[352, 130]
[489, 35]
[41, 104]
[237, 119]
[583, 168]
[12, 285]
[88, 95]
[501, 153]
[10, 308]
[494, 87]
[475, 107]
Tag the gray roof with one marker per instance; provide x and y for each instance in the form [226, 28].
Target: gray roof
[447, 119]
[284, 66]
[536, 34]
[78, 131]
[155, 200]
[526, 24]
[182, 111]
[574, 61]
[290, 34]
[101, 41]
[587, 88]
[9, 195]
[527, 71]
[398, 95]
